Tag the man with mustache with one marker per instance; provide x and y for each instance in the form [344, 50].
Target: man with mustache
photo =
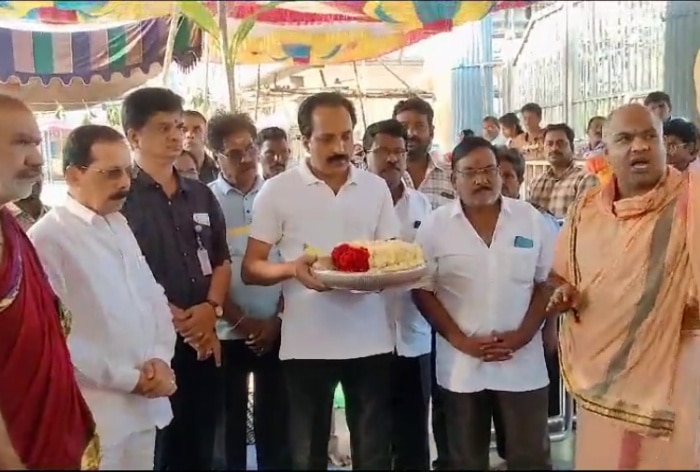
[122, 337]
[432, 179]
[194, 127]
[250, 328]
[44, 421]
[422, 172]
[181, 231]
[563, 182]
[275, 151]
[492, 255]
[627, 272]
[385, 143]
[327, 336]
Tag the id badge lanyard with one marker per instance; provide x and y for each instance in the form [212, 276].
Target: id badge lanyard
[202, 253]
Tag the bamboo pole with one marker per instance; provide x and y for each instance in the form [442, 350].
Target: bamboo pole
[170, 44]
[257, 94]
[207, 59]
[360, 94]
[225, 57]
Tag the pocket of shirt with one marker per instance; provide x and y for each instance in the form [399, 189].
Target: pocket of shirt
[520, 264]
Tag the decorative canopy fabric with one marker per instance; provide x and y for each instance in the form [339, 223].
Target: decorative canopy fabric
[289, 12]
[294, 32]
[91, 65]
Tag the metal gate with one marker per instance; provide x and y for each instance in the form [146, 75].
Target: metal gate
[583, 58]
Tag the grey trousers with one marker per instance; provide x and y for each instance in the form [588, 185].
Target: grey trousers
[468, 425]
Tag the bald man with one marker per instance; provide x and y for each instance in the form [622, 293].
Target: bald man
[44, 420]
[627, 271]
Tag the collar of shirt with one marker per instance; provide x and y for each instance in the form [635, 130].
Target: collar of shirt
[225, 187]
[79, 210]
[564, 175]
[310, 179]
[457, 211]
[141, 178]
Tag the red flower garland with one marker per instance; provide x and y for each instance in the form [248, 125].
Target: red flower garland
[348, 258]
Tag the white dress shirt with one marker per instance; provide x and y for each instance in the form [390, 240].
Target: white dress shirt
[488, 288]
[121, 317]
[296, 209]
[411, 330]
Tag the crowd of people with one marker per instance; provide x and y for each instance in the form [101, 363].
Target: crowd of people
[136, 311]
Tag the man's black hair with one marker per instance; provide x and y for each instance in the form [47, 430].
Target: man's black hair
[469, 145]
[532, 108]
[77, 150]
[657, 97]
[514, 158]
[390, 127]
[684, 130]
[139, 106]
[322, 99]
[272, 133]
[415, 104]
[223, 125]
[467, 132]
[561, 127]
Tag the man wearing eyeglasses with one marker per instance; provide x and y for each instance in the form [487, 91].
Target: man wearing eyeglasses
[492, 256]
[680, 137]
[122, 337]
[385, 144]
[250, 327]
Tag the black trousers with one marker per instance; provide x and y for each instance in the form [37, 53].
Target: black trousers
[269, 411]
[410, 399]
[187, 443]
[310, 388]
[554, 406]
[468, 421]
[438, 417]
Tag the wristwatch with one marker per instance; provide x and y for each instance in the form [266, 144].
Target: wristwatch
[218, 311]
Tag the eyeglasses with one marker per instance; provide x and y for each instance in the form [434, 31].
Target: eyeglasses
[490, 171]
[237, 155]
[382, 153]
[672, 147]
[115, 173]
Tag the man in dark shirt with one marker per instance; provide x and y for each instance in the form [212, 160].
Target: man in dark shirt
[181, 231]
[195, 132]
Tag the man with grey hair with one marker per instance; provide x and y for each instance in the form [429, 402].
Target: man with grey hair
[627, 275]
[44, 420]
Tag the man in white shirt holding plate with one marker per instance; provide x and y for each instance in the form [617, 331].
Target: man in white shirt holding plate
[327, 336]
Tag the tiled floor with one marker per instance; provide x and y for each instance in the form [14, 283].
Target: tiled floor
[562, 451]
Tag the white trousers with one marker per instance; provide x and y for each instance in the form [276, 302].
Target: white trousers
[135, 452]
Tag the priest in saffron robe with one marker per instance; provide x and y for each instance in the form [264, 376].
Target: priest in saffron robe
[627, 263]
[44, 420]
